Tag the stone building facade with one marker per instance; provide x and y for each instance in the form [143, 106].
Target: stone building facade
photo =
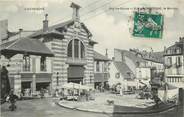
[73, 61]
[174, 63]
[101, 70]
[71, 43]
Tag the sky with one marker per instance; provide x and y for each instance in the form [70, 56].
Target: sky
[110, 28]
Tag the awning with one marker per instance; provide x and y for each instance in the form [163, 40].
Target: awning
[101, 77]
[43, 77]
[26, 77]
[76, 86]
[75, 71]
[25, 46]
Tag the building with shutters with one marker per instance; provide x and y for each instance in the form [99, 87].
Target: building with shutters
[101, 70]
[72, 61]
[174, 63]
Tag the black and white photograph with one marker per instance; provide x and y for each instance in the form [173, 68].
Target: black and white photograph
[92, 58]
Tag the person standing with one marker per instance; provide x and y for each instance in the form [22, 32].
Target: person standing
[42, 91]
[12, 99]
[5, 84]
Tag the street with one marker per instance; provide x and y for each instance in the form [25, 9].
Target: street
[44, 108]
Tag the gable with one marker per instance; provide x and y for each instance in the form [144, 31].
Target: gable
[58, 30]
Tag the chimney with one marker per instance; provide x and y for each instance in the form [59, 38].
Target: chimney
[45, 23]
[123, 56]
[20, 31]
[106, 53]
[181, 39]
[3, 30]
[76, 8]
[165, 48]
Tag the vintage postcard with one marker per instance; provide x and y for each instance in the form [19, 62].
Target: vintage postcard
[92, 58]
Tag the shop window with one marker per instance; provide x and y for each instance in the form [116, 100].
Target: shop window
[26, 63]
[43, 64]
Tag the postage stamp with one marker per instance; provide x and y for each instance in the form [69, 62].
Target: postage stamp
[148, 25]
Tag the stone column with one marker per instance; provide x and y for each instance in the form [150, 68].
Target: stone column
[17, 84]
[34, 84]
[181, 103]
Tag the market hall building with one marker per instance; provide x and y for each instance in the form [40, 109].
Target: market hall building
[72, 61]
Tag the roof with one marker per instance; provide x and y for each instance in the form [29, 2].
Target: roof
[22, 34]
[135, 58]
[149, 56]
[177, 45]
[155, 57]
[123, 69]
[50, 33]
[24, 46]
[52, 28]
[100, 57]
[92, 42]
[55, 29]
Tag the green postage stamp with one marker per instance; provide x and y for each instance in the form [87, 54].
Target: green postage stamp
[148, 25]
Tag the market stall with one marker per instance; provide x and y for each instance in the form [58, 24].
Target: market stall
[77, 92]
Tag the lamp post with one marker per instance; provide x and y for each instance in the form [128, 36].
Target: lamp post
[62, 73]
[57, 78]
[91, 78]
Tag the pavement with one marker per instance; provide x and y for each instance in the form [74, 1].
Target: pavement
[100, 105]
[46, 107]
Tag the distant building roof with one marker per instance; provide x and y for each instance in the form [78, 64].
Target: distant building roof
[133, 56]
[157, 57]
[24, 46]
[178, 45]
[98, 56]
[150, 56]
[123, 69]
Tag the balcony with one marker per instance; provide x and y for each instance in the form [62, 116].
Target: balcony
[76, 61]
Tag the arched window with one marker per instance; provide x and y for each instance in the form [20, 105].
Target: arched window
[70, 49]
[76, 49]
[82, 50]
